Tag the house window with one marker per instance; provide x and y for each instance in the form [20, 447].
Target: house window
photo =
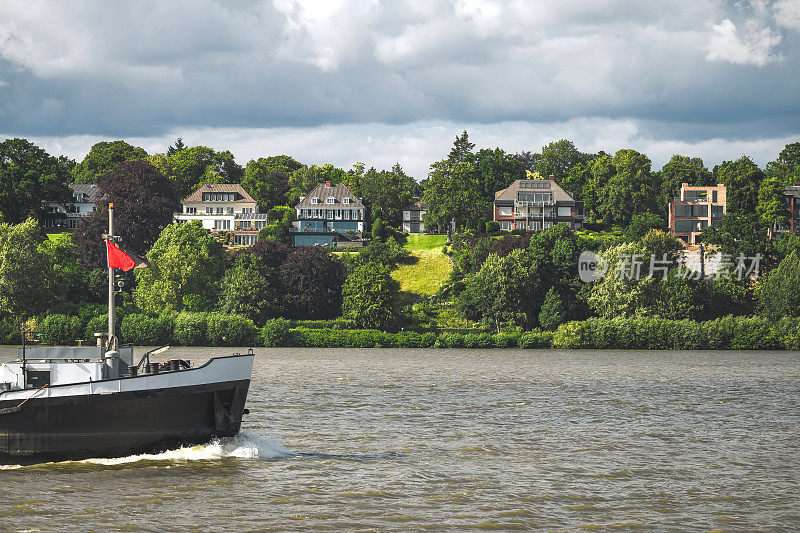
[345, 200]
[330, 200]
[230, 210]
[314, 200]
[209, 210]
[506, 211]
[191, 210]
[346, 214]
[219, 210]
[505, 224]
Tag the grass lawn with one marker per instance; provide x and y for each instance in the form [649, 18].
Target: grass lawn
[417, 241]
[430, 266]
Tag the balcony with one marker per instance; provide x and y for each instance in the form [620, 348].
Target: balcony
[518, 203]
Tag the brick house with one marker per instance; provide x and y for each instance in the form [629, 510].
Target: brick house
[791, 195]
[327, 215]
[695, 209]
[224, 207]
[536, 204]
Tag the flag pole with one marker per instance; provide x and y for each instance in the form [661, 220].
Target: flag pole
[111, 325]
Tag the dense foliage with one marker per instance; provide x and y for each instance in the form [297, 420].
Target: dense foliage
[506, 289]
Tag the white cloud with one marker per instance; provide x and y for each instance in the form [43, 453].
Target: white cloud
[753, 47]
[415, 146]
[787, 14]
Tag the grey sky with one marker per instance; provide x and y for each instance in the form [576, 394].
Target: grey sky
[335, 81]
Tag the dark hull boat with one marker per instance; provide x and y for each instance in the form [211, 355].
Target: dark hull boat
[140, 413]
[76, 402]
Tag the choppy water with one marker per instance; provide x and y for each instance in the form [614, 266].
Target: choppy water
[457, 440]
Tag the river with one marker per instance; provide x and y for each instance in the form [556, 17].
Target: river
[399, 440]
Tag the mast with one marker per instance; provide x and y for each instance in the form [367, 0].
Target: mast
[111, 325]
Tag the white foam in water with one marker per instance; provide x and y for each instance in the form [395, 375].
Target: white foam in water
[246, 445]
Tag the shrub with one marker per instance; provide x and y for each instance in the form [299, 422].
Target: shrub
[276, 333]
[98, 324]
[61, 329]
[536, 339]
[480, 340]
[506, 340]
[144, 330]
[570, 335]
[9, 331]
[230, 330]
[336, 323]
[449, 340]
[191, 329]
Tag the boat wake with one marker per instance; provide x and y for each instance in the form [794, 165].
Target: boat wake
[246, 445]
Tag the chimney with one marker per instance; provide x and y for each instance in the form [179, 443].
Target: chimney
[327, 183]
[552, 177]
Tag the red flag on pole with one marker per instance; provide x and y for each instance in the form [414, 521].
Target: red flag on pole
[118, 259]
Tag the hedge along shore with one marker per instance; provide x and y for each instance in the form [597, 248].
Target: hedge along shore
[217, 329]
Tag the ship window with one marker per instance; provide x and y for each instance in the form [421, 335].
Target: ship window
[38, 378]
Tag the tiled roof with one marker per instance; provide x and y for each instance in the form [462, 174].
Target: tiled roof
[338, 191]
[792, 190]
[510, 193]
[416, 206]
[91, 190]
[197, 196]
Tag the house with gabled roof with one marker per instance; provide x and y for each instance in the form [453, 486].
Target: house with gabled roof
[85, 197]
[536, 204]
[326, 215]
[412, 217]
[224, 207]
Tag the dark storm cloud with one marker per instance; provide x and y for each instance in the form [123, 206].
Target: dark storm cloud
[145, 68]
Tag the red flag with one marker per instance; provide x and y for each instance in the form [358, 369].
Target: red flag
[118, 259]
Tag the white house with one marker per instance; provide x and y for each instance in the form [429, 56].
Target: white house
[85, 197]
[224, 207]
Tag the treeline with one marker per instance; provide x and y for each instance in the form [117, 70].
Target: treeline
[504, 283]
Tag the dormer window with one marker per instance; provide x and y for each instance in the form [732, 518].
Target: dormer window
[345, 200]
[330, 200]
[314, 200]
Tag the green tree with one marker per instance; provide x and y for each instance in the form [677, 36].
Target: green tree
[742, 179]
[378, 230]
[250, 289]
[144, 203]
[462, 149]
[744, 234]
[29, 176]
[503, 289]
[630, 191]
[265, 183]
[186, 266]
[681, 169]
[305, 178]
[495, 170]
[104, 157]
[189, 168]
[370, 297]
[452, 194]
[642, 223]
[552, 313]
[558, 158]
[26, 274]
[780, 292]
[386, 192]
[601, 170]
[787, 167]
[772, 206]
[311, 281]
